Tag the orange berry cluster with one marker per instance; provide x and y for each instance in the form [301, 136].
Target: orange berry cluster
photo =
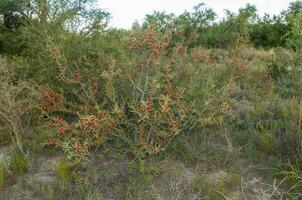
[50, 100]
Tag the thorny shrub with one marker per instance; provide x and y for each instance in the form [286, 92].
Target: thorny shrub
[142, 104]
[146, 101]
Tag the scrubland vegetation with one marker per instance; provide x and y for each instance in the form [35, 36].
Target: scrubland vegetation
[178, 107]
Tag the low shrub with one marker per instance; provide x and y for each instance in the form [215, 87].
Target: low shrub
[145, 107]
[276, 70]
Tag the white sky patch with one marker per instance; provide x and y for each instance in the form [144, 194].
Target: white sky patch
[126, 12]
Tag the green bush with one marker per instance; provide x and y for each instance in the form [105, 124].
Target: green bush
[156, 89]
[276, 70]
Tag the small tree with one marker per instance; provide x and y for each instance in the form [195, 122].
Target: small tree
[294, 19]
[17, 100]
[295, 40]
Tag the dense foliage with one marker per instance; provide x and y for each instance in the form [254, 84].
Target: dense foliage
[185, 87]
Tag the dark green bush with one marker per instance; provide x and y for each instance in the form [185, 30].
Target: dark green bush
[276, 70]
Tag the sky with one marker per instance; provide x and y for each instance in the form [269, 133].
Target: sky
[126, 12]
